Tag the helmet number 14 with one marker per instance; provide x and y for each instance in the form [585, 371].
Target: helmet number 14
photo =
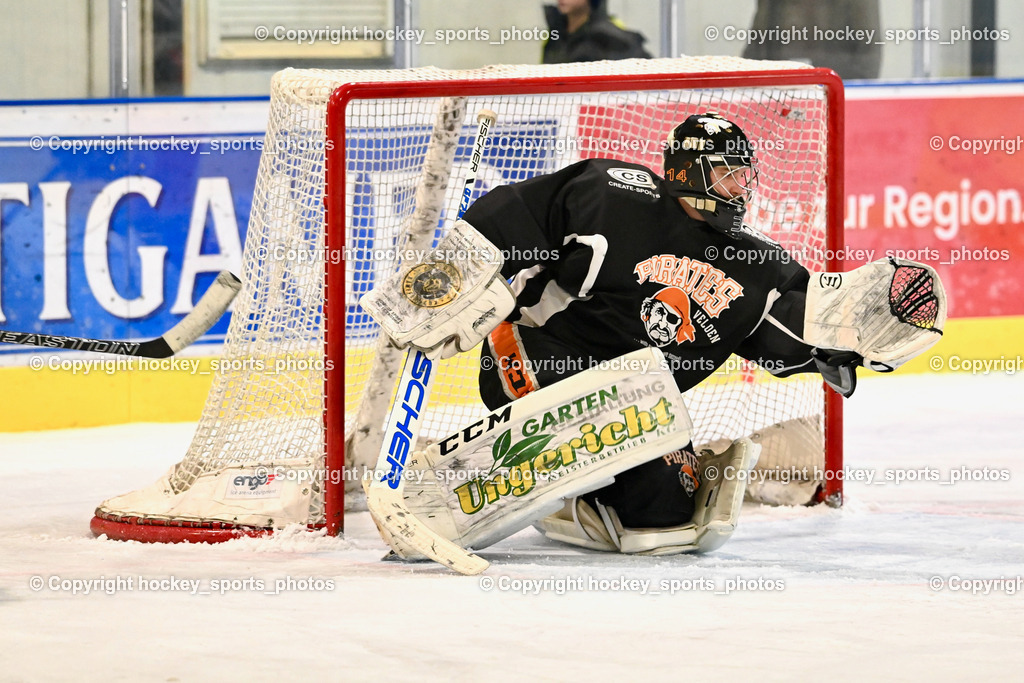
[674, 175]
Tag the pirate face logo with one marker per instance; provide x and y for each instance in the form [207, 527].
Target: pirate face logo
[688, 468]
[688, 478]
[666, 317]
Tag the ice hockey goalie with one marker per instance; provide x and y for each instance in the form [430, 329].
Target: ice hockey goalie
[610, 263]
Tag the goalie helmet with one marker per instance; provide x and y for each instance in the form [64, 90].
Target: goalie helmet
[709, 163]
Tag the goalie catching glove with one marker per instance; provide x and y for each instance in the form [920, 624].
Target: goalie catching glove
[453, 299]
[880, 316]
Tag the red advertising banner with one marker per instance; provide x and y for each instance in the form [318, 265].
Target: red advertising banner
[939, 179]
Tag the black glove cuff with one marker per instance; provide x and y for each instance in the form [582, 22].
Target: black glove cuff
[838, 368]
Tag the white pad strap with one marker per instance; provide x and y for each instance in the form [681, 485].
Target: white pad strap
[888, 311]
[579, 524]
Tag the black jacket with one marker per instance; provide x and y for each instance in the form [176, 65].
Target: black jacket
[599, 38]
[594, 248]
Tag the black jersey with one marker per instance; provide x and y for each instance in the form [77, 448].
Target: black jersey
[603, 261]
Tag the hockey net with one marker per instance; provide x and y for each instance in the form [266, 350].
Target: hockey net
[287, 425]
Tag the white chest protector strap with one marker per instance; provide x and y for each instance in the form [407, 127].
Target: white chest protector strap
[516, 464]
[453, 295]
[888, 311]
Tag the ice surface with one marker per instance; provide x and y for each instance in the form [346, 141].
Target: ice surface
[852, 598]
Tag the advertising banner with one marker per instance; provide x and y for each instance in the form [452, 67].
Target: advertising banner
[937, 175]
[116, 216]
[114, 219]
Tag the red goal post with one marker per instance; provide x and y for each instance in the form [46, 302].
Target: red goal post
[353, 145]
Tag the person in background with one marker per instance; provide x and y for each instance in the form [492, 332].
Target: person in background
[848, 58]
[585, 33]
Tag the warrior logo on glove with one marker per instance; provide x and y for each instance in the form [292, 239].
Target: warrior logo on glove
[430, 285]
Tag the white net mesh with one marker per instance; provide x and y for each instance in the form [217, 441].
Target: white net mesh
[266, 406]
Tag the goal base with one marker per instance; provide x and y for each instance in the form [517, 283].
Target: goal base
[146, 530]
[234, 502]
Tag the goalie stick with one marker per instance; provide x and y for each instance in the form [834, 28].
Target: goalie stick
[384, 493]
[206, 313]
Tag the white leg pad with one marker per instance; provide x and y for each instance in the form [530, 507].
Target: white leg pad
[517, 464]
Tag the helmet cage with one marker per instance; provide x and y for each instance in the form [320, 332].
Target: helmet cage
[740, 169]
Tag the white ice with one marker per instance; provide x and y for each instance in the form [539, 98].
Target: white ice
[853, 599]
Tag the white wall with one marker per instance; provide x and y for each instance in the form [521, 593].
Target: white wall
[59, 48]
[698, 16]
[1010, 53]
[643, 16]
[434, 15]
[943, 60]
[48, 51]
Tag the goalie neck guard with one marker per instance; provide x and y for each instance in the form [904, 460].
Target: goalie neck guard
[709, 163]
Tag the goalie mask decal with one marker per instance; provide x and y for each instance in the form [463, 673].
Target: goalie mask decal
[666, 317]
[715, 125]
[431, 285]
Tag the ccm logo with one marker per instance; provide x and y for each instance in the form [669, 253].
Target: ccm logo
[476, 429]
[632, 176]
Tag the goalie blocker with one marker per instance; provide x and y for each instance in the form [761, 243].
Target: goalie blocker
[448, 303]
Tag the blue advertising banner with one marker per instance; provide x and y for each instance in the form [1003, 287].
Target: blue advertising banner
[115, 217]
[115, 235]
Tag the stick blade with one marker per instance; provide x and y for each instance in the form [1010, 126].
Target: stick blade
[394, 519]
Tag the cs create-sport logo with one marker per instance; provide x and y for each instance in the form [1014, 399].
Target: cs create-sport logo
[632, 176]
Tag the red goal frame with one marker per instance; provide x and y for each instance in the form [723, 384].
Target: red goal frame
[335, 217]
